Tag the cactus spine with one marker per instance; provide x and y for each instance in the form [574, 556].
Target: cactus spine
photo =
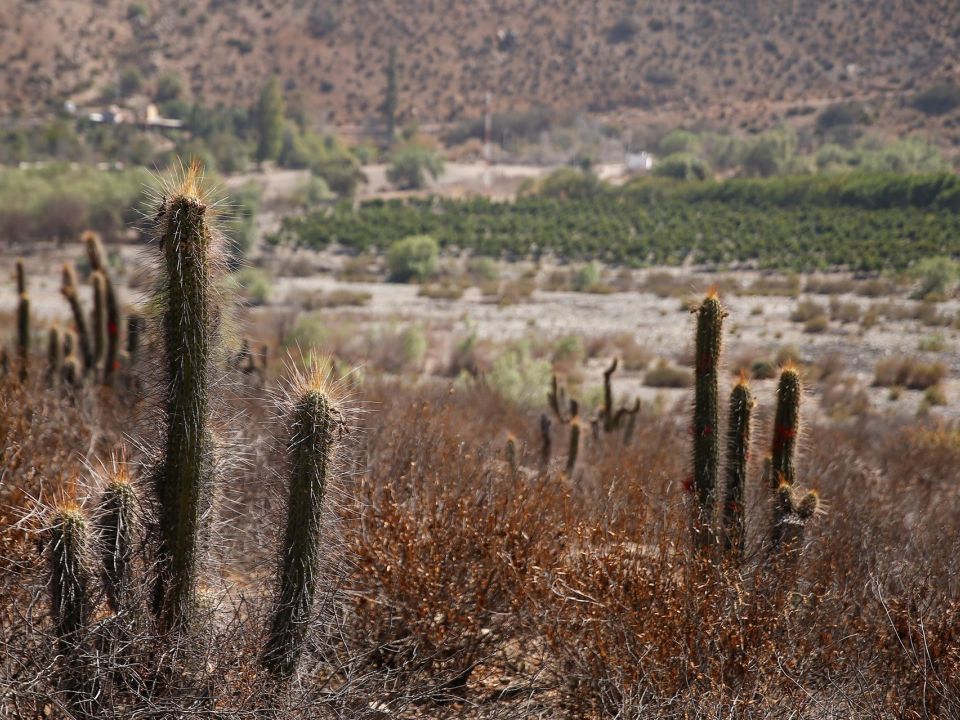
[98, 320]
[134, 328]
[315, 425]
[738, 448]
[706, 446]
[184, 477]
[117, 526]
[69, 291]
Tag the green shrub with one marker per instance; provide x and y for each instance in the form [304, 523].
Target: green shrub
[938, 99]
[936, 275]
[518, 377]
[681, 166]
[309, 332]
[410, 165]
[413, 258]
[667, 376]
[586, 277]
[252, 284]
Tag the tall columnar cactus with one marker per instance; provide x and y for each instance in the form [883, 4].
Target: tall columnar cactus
[54, 354]
[72, 602]
[69, 290]
[786, 426]
[21, 277]
[23, 335]
[185, 474]
[111, 363]
[98, 319]
[315, 425]
[573, 449]
[117, 524]
[706, 443]
[95, 254]
[738, 449]
[545, 442]
[111, 307]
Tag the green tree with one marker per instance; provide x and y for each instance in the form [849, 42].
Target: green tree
[390, 100]
[413, 258]
[270, 121]
[409, 165]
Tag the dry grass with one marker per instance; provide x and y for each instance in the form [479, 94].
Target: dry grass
[515, 592]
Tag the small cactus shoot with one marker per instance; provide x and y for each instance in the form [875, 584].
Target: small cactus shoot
[315, 425]
[738, 448]
[116, 525]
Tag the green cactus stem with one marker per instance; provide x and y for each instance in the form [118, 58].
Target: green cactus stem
[54, 354]
[95, 254]
[608, 414]
[706, 443]
[185, 475]
[117, 525]
[69, 291]
[111, 362]
[738, 450]
[786, 425]
[511, 451]
[21, 277]
[546, 442]
[23, 335]
[315, 425]
[72, 372]
[573, 449]
[72, 604]
[98, 319]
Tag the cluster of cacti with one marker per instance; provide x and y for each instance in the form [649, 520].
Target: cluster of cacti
[568, 413]
[613, 419]
[605, 419]
[183, 479]
[789, 514]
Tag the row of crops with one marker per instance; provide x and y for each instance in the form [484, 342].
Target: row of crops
[859, 223]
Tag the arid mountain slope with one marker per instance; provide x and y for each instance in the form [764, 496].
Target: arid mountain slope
[736, 61]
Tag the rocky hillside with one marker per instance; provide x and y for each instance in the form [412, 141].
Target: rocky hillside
[738, 62]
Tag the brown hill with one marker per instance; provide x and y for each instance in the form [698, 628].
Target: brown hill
[740, 62]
